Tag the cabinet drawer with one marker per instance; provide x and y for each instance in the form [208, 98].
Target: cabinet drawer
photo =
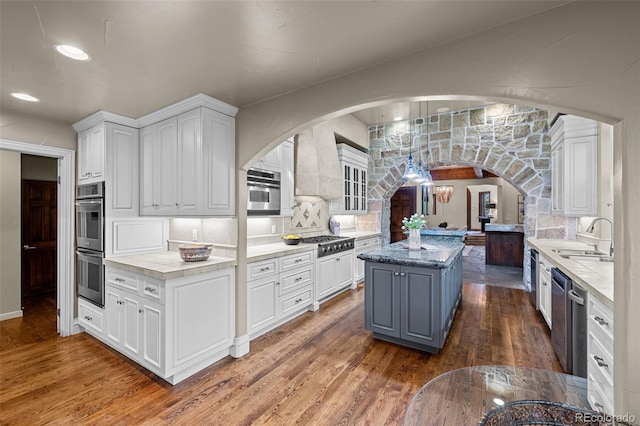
[367, 243]
[600, 318]
[122, 279]
[90, 316]
[600, 357]
[597, 395]
[262, 269]
[296, 260]
[298, 300]
[293, 280]
[153, 290]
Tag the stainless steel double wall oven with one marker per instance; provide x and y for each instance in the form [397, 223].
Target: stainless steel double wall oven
[90, 242]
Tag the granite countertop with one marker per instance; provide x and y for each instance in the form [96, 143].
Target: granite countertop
[503, 227]
[443, 232]
[437, 252]
[359, 234]
[595, 276]
[167, 265]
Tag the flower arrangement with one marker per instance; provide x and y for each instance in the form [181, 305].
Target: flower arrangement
[414, 222]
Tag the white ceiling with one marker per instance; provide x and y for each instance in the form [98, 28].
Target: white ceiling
[146, 55]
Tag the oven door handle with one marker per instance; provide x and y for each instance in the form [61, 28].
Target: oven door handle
[89, 253]
[84, 203]
[263, 185]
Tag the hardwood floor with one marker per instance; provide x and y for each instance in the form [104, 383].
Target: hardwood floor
[322, 368]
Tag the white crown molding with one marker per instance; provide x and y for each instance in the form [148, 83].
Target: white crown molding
[102, 116]
[196, 101]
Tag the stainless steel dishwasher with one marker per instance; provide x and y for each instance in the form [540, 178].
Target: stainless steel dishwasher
[561, 338]
[578, 297]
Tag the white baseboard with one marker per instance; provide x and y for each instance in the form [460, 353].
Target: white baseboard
[11, 315]
[240, 346]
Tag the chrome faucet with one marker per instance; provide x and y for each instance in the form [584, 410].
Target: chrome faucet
[590, 230]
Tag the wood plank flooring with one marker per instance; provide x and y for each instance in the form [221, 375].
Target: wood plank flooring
[322, 368]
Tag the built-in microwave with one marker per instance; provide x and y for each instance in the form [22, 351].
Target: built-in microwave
[263, 188]
[90, 216]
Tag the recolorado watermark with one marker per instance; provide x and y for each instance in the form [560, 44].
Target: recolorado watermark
[602, 417]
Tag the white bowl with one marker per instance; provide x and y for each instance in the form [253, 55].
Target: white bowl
[195, 252]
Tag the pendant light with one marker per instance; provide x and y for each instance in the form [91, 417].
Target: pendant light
[425, 174]
[410, 172]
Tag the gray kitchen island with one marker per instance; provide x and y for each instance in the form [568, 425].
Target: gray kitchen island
[411, 296]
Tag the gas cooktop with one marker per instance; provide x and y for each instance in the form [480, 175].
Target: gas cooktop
[330, 244]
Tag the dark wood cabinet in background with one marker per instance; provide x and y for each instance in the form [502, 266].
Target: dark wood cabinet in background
[504, 248]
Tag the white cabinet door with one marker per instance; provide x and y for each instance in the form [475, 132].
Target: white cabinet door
[544, 289]
[287, 185]
[122, 170]
[151, 340]
[557, 182]
[271, 161]
[132, 335]
[113, 314]
[189, 161]
[147, 169]
[91, 147]
[263, 302]
[344, 269]
[218, 164]
[326, 281]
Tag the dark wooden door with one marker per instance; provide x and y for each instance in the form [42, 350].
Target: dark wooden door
[403, 204]
[39, 237]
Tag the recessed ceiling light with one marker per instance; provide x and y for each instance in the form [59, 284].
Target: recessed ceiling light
[72, 52]
[443, 109]
[25, 97]
[397, 118]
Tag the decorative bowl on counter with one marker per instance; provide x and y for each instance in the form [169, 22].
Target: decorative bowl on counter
[291, 240]
[195, 252]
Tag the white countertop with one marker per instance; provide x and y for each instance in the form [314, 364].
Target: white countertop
[167, 265]
[595, 276]
[267, 251]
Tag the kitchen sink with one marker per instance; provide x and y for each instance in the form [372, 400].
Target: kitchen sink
[601, 257]
[575, 252]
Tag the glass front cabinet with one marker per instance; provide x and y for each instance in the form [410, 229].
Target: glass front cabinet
[354, 164]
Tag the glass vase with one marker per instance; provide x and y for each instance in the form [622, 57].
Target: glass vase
[414, 239]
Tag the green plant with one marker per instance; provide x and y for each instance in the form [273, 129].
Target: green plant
[416, 221]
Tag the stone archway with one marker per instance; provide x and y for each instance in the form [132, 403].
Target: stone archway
[508, 140]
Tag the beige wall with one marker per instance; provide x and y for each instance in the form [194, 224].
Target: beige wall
[31, 129]
[10, 303]
[582, 58]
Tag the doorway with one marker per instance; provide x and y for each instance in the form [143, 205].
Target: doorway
[39, 242]
[403, 204]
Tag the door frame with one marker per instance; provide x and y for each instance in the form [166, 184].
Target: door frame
[66, 221]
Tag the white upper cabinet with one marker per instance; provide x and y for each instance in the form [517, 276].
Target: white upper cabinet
[121, 170]
[271, 161]
[91, 146]
[354, 165]
[187, 165]
[574, 170]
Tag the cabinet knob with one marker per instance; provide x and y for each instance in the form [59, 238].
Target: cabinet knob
[600, 361]
[140, 311]
[178, 205]
[88, 318]
[277, 283]
[395, 274]
[601, 321]
[337, 259]
[402, 274]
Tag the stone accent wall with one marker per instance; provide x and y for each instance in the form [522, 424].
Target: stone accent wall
[508, 140]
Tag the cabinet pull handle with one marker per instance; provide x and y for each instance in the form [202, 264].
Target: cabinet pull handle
[402, 274]
[601, 321]
[150, 290]
[119, 280]
[140, 311]
[298, 279]
[277, 283]
[337, 259]
[178, 205]
[395, 274]
[599, 406]
[600, 361]
[266, 268]
[88, 318]
[298, 300]
[297, 260]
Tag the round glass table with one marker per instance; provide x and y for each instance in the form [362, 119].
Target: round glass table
[464, 396]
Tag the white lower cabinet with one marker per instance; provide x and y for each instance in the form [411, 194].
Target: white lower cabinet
[544, 288]
[335, 272]
[174, 328]
[278, 290]
[362, 245]
[600, 356]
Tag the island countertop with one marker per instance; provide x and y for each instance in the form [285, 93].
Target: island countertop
[437, 252]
